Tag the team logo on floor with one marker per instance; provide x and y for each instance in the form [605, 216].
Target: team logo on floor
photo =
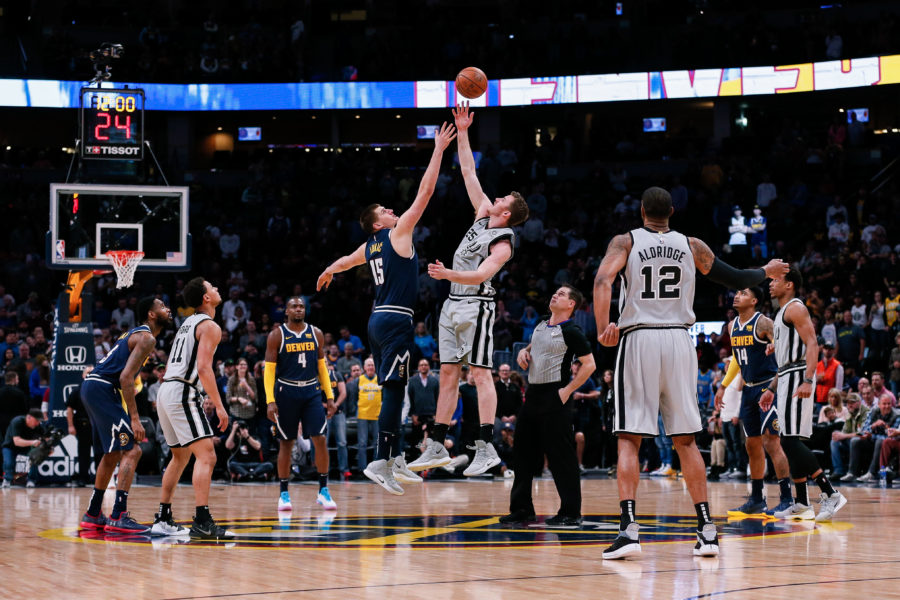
[328, 530]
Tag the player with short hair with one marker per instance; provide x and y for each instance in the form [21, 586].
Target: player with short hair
[391, 256]
[179, 404]
[467, 317]
[797, 355]
[751, 333]
[108, 397]
[656, 365]
[295, 377]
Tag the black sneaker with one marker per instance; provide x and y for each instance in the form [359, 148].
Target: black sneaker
[563, 522]
[626, 544]
[125, 524]
[208, 530]
[518, 516]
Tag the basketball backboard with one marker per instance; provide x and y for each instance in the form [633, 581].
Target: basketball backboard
[87, 220]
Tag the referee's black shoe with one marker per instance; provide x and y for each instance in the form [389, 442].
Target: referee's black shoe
[208, 530]
[563, 522]
[626, 544]
[518, 516]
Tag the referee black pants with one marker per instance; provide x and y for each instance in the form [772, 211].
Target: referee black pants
[544, 426]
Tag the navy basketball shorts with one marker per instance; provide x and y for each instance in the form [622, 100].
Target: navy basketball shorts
[391, 338]
[109, 420]
[298, 405]
[755, 420]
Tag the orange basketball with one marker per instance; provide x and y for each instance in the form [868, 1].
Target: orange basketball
[471, 82]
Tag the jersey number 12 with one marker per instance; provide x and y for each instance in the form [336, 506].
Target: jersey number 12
[667, 281]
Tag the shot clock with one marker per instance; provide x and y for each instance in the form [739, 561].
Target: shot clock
[112, 123]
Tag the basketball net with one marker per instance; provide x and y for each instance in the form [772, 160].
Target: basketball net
[125, 263]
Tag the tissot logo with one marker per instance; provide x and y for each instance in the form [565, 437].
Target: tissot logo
[76, 354]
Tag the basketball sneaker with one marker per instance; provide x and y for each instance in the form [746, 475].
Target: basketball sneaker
[284, 501]
[794, 510]
[125, 524]
[830, 505]
[485, 458]
[324, 500]
[433, 456]
[89, 523]
[750, 508]
[626, 544]
[707, 541]
[458, 461]
[167, 528]
[382, 473]
[6, 484]
[208, 530]
[563, 522]
[402, 472]
[783, 506]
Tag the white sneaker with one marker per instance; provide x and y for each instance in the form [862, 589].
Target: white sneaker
[457, 462]
[830, 505]
[509, 474]
[382, 473]
[324, 499]
[865, 478]
[847, 477]
[284, 502]
[402, 472]
[485, 458]
[626, 544]
[168, 528]
[29, 484]
[707, 541]
[434, 456]
[796, 511]
[658, 472]
[5, 485]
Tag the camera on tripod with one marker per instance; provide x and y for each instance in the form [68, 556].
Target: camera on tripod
[50, 438]
[102, 59]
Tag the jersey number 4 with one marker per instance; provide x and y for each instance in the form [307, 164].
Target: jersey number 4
[667, 280]
[377, 270]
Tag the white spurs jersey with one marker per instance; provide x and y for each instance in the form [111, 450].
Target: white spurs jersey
[182, 364]
[789, 348]
[658, 281]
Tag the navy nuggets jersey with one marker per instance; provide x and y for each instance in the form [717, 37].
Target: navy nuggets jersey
[396, 277]
[298, 355]
[750, 352]
[110, 367]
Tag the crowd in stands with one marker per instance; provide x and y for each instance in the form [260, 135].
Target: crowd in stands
[320, 41]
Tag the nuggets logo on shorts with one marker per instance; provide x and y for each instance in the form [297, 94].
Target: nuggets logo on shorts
[775, 425]
[123, 439]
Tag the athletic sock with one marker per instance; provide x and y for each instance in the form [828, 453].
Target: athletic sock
[201, 514]
[165, 512]
[385, 444]
[628, 516]
[323, 480]
[439, 433]
[96, 503]
[802, 494]
[756, 490]
[486, 433]
[121, 504]
[703, 517]
[824, 484]
[392, 394]
[785, 486]
[284, 485]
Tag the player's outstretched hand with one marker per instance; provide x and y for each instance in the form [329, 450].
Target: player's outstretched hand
[776, 268]
[610, 336]
[324, 281]
[437, 270]
[462, 116]
[765, 401]
[524, 358]
[443, 137]
[272, 412]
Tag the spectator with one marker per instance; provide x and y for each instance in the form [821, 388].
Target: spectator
[834, 210]
[228, 368]
[879, 390]
[877, 329]
[79, 425]
[122, 315]
[39, 380]
[367, 412]
[332, 356]
[582, 404]
[229, 242]
[234, 309]
[851, 342]
[766, 192]
[423, 392]
[835, 401]
[252, 336]
[829, 373]
[839, 231]
[352, 391]
[872, 436]
[858, 312]
[760, 236]
[13, 401]
[425, 342]
[716, 447]
[246, 463]
[23, 434]
[159, 372]
[241, 395]
[895, 365]
[337, 424]
[345, 363]
[737, 239]
[829, 328]
[346, 336]
[509, 397]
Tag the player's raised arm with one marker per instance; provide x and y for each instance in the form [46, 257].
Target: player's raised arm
[501, 252]
[342, 264]
[463, 119]
[401, 237]
[614, 261]
[724, 274]
[143, 345]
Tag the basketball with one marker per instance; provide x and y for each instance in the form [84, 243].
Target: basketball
[471, 82]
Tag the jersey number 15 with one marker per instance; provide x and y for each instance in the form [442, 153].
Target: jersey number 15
[377, 270]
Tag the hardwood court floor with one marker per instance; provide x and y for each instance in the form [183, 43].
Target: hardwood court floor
[441, 541]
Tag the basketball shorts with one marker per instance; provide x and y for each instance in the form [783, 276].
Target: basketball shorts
[391, 337]
[731, 403]
[109, 419]
[466, 332]
[656, 373]
[795, 414]
[296, 405]
[755, 420]
[181, 415]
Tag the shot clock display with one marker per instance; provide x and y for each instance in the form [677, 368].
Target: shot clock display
[112, 123]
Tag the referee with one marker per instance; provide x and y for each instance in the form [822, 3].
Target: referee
[543, 425]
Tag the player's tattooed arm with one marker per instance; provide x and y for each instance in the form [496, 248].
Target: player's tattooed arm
[765, 328]
[703, 256]
[614, 261]
[723, 273]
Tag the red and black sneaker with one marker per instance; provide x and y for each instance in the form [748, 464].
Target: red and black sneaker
[125, 524]
[89, 523]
